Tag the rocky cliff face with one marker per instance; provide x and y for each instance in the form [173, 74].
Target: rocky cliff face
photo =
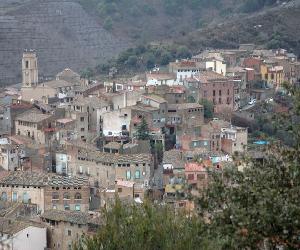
[61, 32]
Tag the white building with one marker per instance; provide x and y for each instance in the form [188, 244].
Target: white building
[184, 69]
[216, 65]
[158, 78]
[20, 235]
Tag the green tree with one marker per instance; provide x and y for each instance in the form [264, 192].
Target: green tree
[149, 227]
[208, 108]
[191, 99]
[261, 204]
[132, 61]
[183, 52]
[108, 23]
[142, 131]
[86, 73]
[166, 57]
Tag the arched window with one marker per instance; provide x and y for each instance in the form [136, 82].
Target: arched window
[66, 196]
[4, 196]
[55, 196]
[78, 196]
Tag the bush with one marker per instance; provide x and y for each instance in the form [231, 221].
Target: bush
[108, 23]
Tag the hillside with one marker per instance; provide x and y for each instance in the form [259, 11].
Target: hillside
[61, 32]
[86, 33]
[272, 28]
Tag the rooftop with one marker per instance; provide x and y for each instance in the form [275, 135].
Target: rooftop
[160, 76]
[56, 84]
[209, 76]
[113, 145]
[41, 179]
[11, 227]
[32, 116]
[71, 216]
[194, 167]
[184, 106]
[155, 98]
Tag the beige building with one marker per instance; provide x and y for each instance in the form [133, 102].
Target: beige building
[47, 191]
[35, 125]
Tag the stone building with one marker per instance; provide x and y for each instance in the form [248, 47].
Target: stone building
[47, 191]
[65, 228]
[35, 125]
[234, 139]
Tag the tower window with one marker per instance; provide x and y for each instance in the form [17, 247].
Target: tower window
[27, 64]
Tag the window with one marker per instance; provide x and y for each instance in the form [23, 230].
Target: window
[190, 177]
[25, 197]
[201, 176]
[4, 196]
[120, 190]
[124, 127]
[27, 64]
[69, 233]
[82, 129]
[15, 196]
[82, 119]
[67, 207]
[228, 92]
[55, 196]
[78, 196]
[214, 93]
[137, 174]
[66, 196]
[128, 175]
[220, 92]
[77, 208]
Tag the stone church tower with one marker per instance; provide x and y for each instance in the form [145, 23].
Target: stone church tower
[30, 74]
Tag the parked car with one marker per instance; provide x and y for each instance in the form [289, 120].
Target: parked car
[251, 102]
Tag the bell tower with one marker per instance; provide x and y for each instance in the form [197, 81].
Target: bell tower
[30, 74]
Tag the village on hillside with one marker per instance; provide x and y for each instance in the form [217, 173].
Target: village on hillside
[69, 145]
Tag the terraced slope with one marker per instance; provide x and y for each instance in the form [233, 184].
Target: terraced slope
[61, 32]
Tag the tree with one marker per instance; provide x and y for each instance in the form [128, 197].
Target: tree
[148, 227]
[260, 205]
[86, 73]
[149, 60]
[191, 99]
[108, 23]
[183, 52]
[132, 61]
[165, 58]
[142, 131]
[208, 108]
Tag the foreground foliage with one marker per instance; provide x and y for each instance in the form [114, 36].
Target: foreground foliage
[148, 227]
